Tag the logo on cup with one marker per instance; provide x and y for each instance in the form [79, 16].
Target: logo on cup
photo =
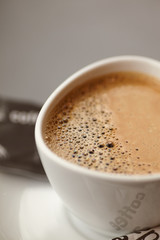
[127, 213]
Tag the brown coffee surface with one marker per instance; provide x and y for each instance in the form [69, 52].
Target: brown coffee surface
[109, 124]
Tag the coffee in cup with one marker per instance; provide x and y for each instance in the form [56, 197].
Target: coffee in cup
[109, 124]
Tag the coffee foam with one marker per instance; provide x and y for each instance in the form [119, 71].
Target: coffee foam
[88, 127]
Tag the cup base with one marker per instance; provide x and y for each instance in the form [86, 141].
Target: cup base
[88, 231]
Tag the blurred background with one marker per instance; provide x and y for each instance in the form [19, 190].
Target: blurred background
[42, 42]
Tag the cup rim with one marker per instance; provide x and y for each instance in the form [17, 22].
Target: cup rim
[120, 177]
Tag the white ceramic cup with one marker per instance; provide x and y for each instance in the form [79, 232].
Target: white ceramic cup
[108, 203]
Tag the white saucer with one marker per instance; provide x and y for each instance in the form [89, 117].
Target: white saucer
[30, 209]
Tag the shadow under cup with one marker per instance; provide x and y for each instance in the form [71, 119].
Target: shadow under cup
[109, 204]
